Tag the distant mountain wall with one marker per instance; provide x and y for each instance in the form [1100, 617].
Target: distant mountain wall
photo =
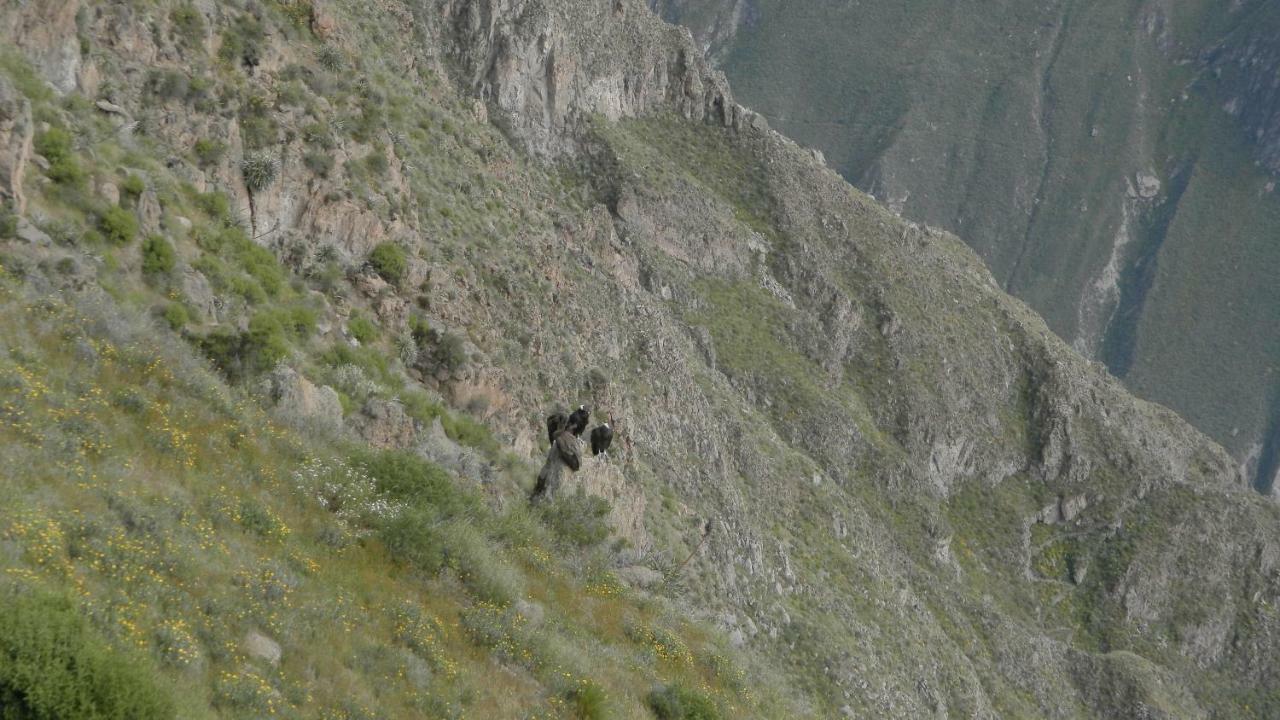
[1113, 162]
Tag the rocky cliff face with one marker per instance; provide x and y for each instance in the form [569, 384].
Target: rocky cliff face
[1093, 171]
[529, 62]
[922, 503]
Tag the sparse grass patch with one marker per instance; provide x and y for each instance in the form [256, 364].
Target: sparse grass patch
[318, 162]
[673, 702]
[578, 519]
[362, 329]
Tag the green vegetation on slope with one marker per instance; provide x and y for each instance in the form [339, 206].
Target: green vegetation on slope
[158, 519]
[839, 440]
[182, 521]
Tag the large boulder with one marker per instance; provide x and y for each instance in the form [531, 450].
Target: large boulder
[301, 402]
[385, 424]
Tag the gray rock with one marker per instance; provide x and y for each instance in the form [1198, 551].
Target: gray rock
[199, 295]
[109, 107]
[384, 424]
[301, 402]
[110, 193]
[31, 234]
[260, 647]
[1148, 185]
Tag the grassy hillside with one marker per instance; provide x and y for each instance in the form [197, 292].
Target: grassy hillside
[163, 506]
[170, 544]
[287, 295]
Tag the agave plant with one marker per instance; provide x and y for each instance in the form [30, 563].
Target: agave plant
[259, 170]
[330, 58]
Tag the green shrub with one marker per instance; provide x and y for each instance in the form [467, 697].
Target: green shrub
[578, 519]
[259, 127]
[175, 313]
[259, 171]
[260, 264]
[169, 84]
[412, 539]
[301, 320]
[118, 225]
[318, 162]
[470, 432]
[448, 350]
[413, 480]
[477, 563]
[259, 348]
[421, 408]
[223, 348]
[318, 135]
[133, 187]
[217, 206]
[265, 341]
[157, 256]
[588, 701]
[370, 360]
[371, 118]
[330, 58]
[297, 321]
[208, 152]
[8, 222]
[55, 144]
[673, 702]
[188, 25]
[362, 329]
[242, 43]
[291, 93]
[390, 261]
[52, 665]
[376, 163]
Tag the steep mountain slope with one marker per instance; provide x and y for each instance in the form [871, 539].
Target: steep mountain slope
[1114, 164]
[920, 502]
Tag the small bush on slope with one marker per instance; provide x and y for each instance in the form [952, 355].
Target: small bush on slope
[52, 665]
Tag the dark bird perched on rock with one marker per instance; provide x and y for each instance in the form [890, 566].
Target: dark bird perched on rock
[556, 423]
[578, 420]
[601, 437]
[562, 454]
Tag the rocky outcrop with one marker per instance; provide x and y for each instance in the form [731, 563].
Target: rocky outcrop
[384, 424]
[261, 647]
[16, 133]
[538, 66]
[302, 403]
